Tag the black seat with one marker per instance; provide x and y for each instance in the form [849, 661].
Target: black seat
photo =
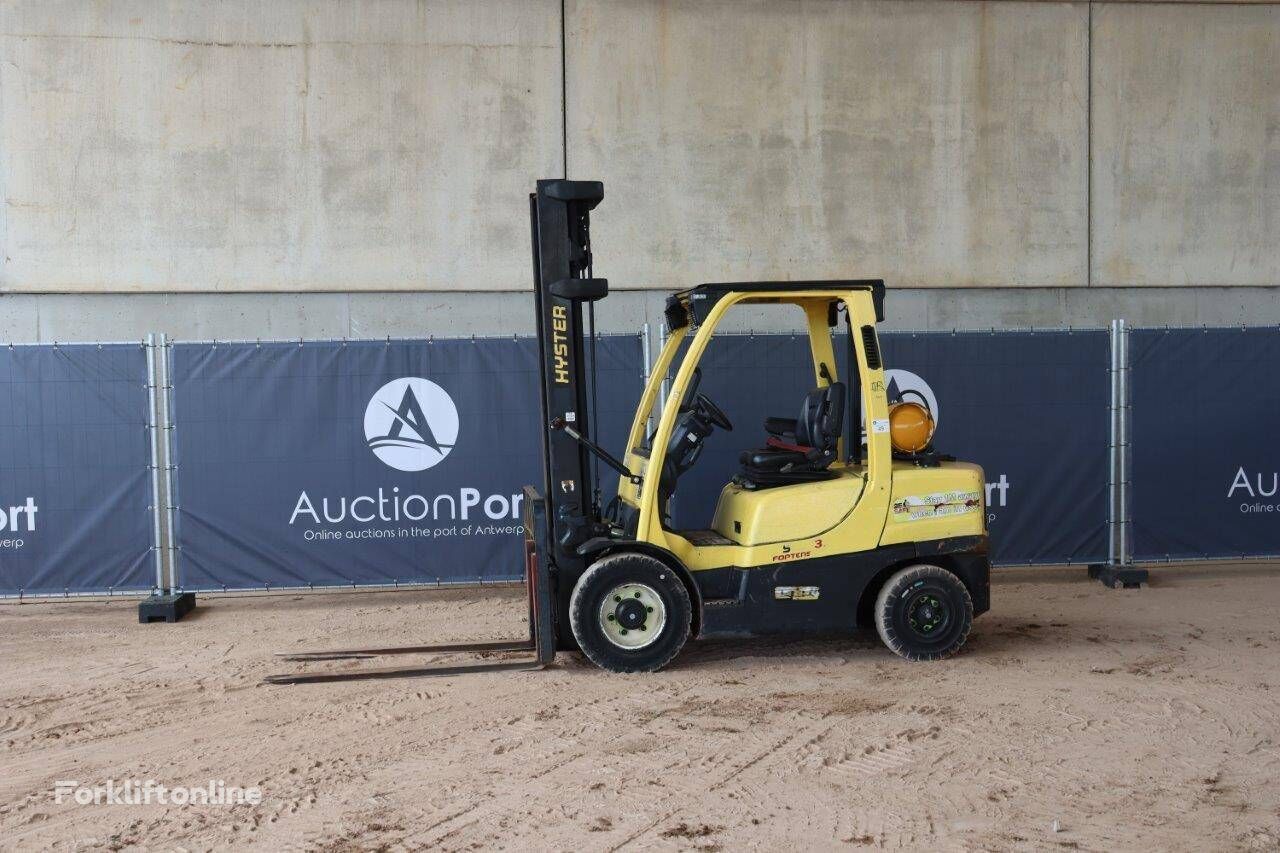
[799, 450]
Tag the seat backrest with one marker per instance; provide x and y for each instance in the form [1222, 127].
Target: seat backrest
[821, 416]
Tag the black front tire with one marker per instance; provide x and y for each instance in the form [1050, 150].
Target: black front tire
[923, 612]
[661, 588]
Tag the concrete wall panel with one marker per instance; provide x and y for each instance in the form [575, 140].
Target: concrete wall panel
[933, 144]
[291, 145]
[387, 145]
[1186, 145]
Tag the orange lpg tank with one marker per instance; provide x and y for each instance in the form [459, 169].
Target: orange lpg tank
[910, 427]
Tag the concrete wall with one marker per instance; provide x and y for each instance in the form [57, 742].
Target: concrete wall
[210, 170]
[937, 144]
[1186, 142]
[287, 145]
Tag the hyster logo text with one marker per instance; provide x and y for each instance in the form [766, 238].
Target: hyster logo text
[560, 342]
[411, 424]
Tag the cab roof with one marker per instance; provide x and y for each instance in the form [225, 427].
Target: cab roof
[701, 299]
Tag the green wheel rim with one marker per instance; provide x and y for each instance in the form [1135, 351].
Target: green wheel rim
[927, 613]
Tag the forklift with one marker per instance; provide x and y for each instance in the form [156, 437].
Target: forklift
[826, 527]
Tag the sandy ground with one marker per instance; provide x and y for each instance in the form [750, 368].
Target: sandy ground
[1135, 720]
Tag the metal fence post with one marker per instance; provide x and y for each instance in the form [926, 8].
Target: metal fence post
[644, 354]
[1118, 572]
[166, 418]
[666, 380]
[166, 604]
[1112, 443]
[153, 424]
[646, 370]
[1125, 547]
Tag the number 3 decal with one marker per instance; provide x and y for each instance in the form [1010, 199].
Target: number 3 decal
[817, 543]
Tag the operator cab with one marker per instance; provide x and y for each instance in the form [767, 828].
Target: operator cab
[801, 451]
[796, 450]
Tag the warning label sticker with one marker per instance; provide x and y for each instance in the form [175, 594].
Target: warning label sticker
[936, 505]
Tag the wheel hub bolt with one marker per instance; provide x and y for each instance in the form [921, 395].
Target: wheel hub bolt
[630, 613]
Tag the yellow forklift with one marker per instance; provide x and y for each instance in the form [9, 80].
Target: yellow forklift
[826, 527]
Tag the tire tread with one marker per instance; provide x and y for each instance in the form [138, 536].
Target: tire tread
[578, 616]
[898, 581]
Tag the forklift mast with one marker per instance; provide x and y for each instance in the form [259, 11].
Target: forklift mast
[562, 275]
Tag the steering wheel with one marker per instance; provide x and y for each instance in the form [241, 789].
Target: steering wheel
[713, 412]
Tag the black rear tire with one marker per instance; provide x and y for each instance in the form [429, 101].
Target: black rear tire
[630, 613]
[923, 612]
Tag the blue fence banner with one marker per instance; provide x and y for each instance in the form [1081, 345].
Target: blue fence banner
[75, 484]
[1030, 407]
[342, 463]
[1203, 460]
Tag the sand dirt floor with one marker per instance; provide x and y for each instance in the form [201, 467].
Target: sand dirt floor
[1135, 720]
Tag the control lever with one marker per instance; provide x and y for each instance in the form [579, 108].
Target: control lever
[561, 424]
